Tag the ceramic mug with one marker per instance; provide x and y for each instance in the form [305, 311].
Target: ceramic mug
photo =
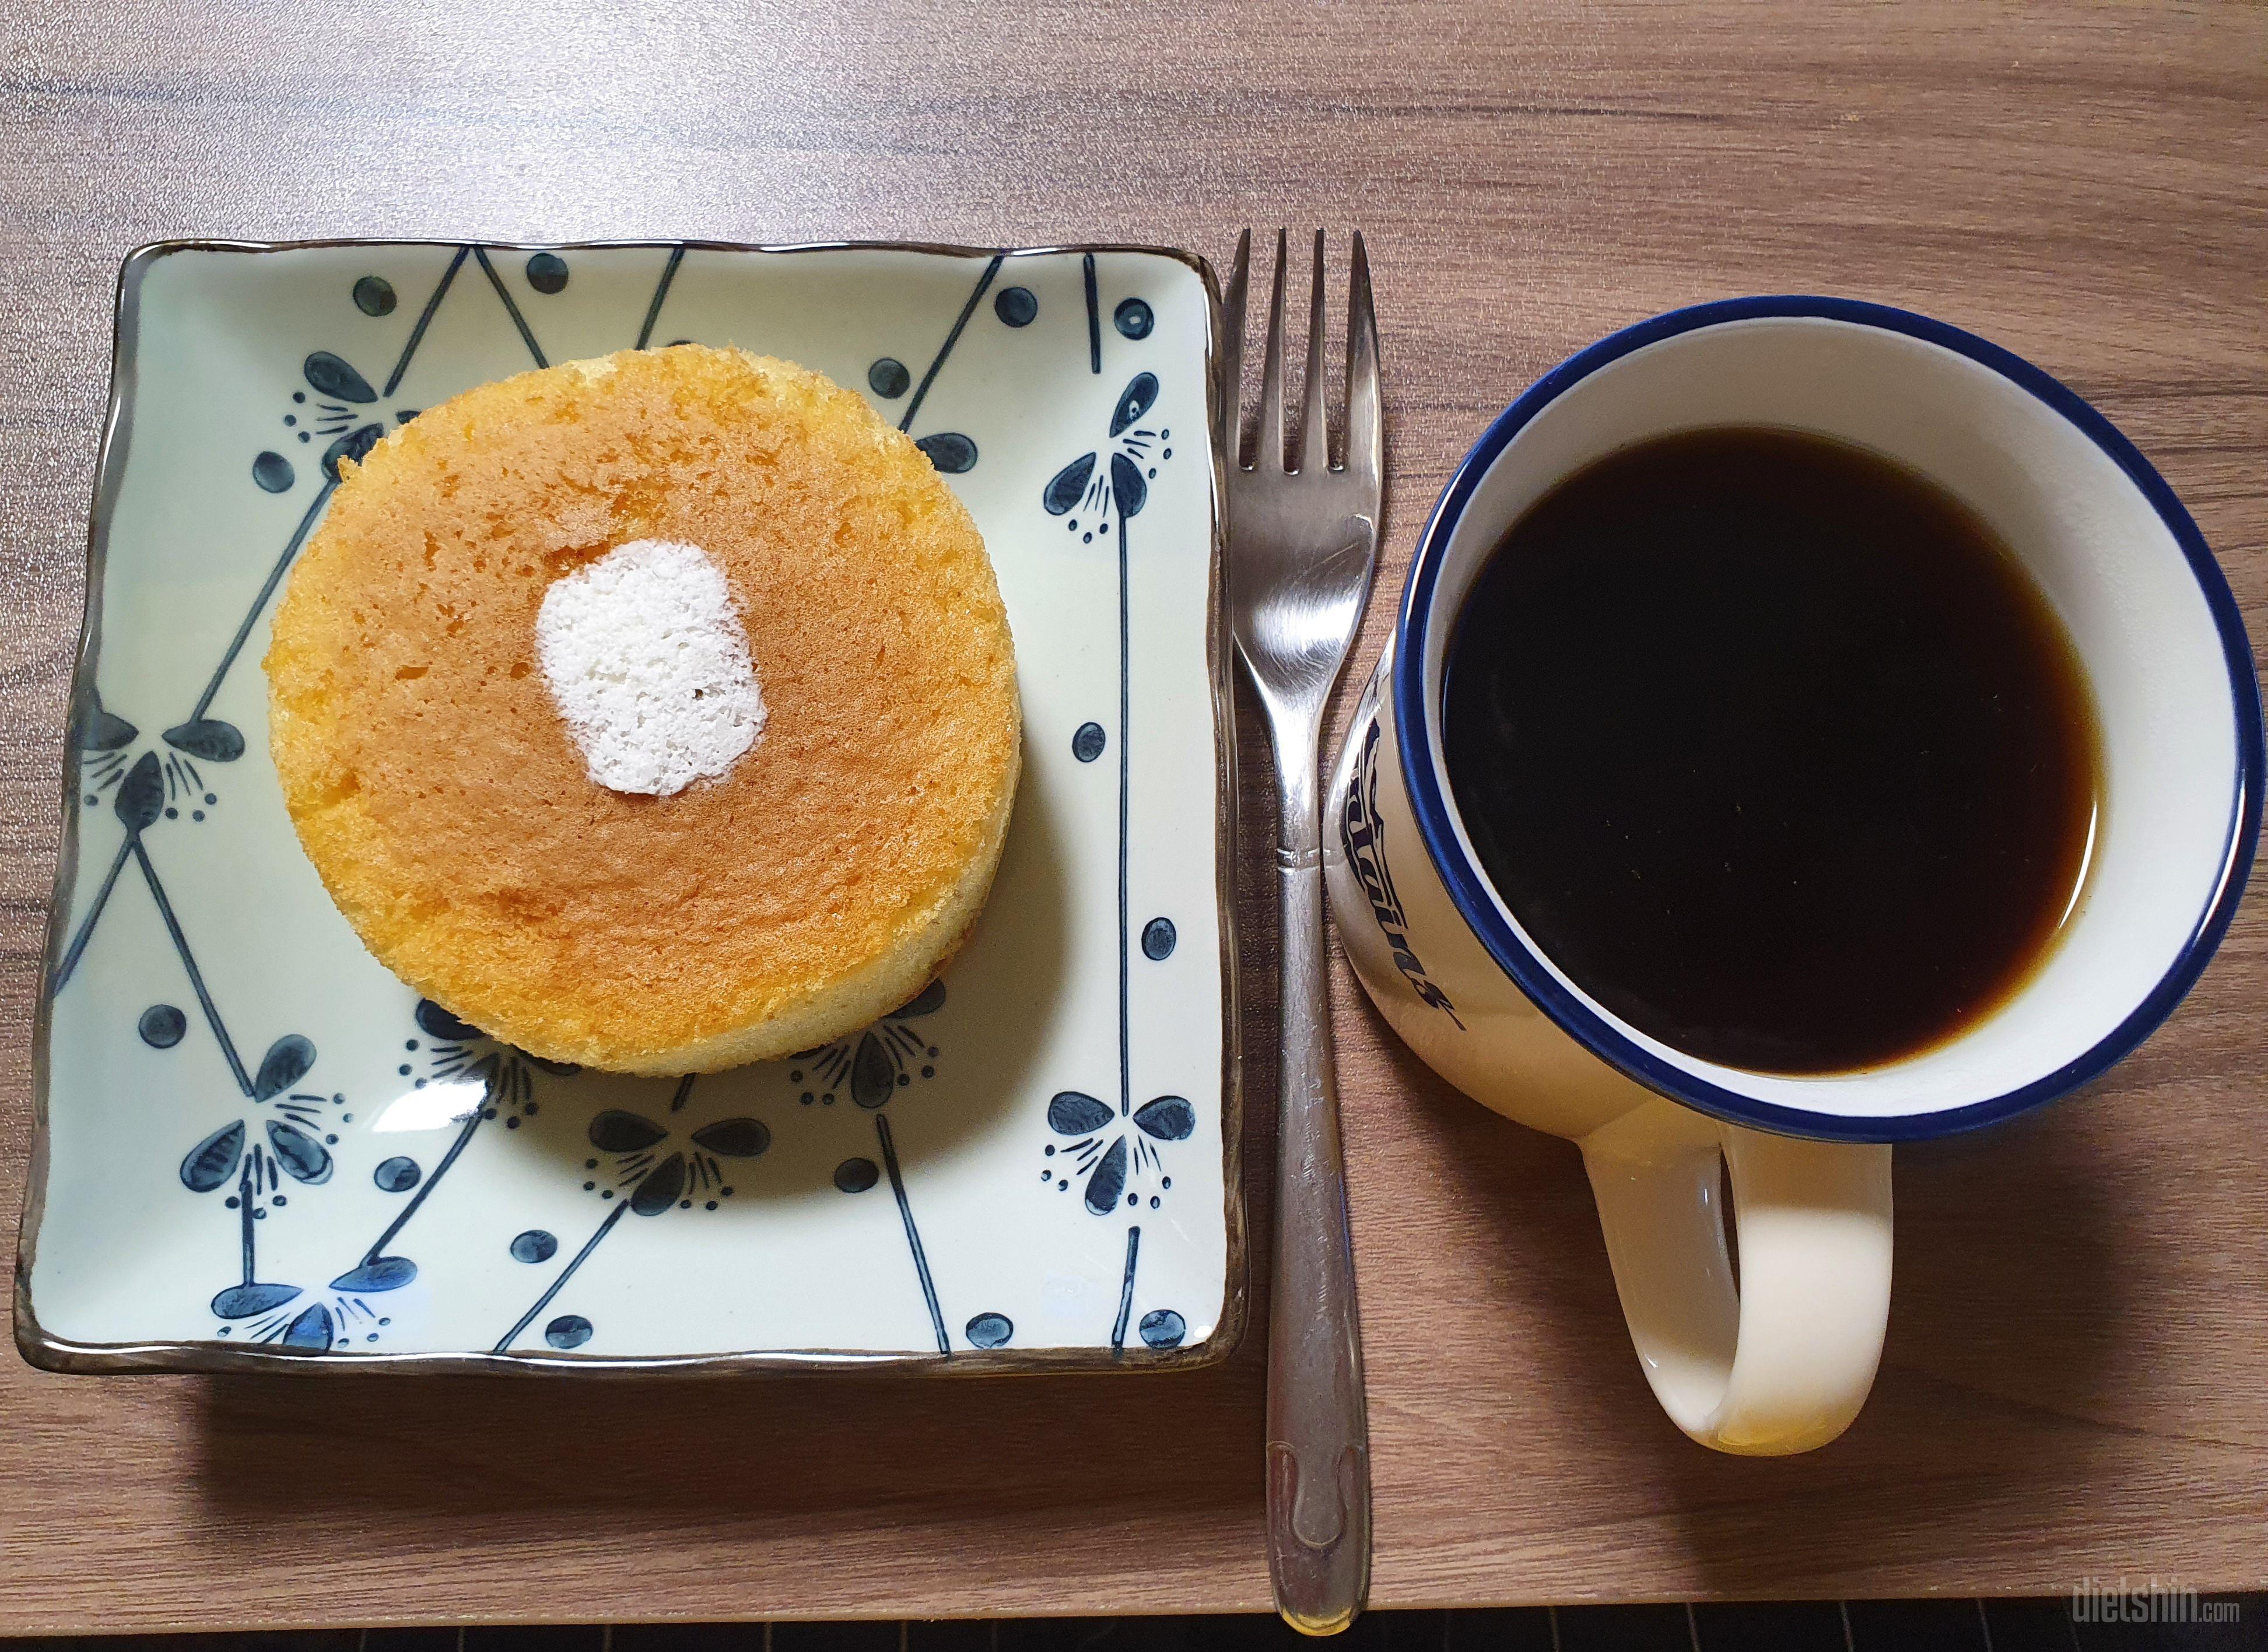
[1782, 1361]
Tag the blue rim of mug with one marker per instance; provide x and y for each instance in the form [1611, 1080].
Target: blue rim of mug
[1471, 893]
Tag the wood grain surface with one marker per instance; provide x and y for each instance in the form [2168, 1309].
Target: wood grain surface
[2077, 1376]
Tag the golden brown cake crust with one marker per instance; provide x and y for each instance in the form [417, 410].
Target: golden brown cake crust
[442, 798]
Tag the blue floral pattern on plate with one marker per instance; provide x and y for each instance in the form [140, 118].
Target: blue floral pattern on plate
[384, 1183]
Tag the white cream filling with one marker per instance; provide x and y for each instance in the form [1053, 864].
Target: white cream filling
[649, 665]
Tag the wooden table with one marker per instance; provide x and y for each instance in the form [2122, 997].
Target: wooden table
[2077, 1375]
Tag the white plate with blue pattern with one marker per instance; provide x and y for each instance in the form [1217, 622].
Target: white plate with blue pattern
[256, 1148]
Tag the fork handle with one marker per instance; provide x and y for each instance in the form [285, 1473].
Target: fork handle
[1318, 1435]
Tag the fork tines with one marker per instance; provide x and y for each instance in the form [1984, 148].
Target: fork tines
[1358, 446]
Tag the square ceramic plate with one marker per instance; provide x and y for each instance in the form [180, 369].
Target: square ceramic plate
[255, 1147]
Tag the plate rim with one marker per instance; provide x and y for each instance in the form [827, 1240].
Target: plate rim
[45, 1351]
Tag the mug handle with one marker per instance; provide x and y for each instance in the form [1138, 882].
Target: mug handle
[1782, 1361]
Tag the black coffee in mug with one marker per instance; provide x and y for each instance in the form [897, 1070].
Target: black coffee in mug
[1774, 748]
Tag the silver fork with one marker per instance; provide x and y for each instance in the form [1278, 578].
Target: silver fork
[1303, 545]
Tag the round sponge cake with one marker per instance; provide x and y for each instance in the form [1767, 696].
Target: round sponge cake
[443, 799]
